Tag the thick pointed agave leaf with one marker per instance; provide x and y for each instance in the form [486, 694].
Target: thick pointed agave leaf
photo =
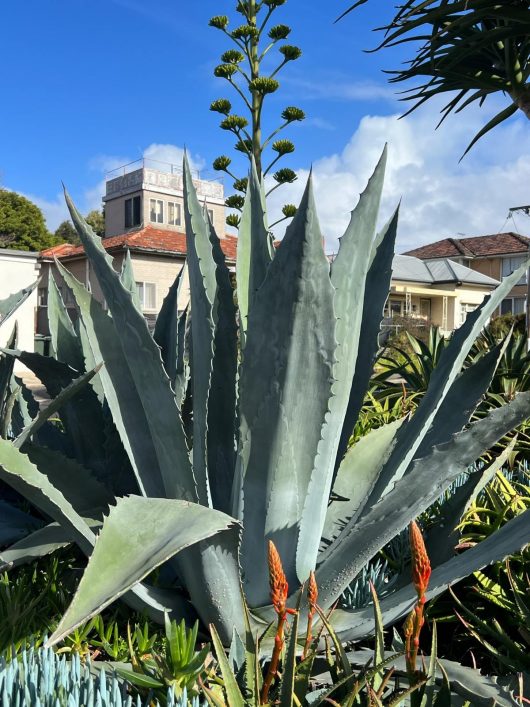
[348, 277]
[214, 354]
[254, 246]
[354, 625]
[20, 473]
[15, 524]
[375, 296]
[141, 356]
[138, 535]
[360, 467]
[65, 343]
[410, 437]
[81, 415]
[129, 281]
[285, 387]
[169, 334]
[429, 478]
[10, 305]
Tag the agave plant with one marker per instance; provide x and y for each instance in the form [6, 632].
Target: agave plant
[257, 447]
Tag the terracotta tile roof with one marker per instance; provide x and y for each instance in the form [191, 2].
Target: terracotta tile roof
[146, 240]
[479, 246]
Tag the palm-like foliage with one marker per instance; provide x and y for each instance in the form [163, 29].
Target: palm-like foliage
[470, 49]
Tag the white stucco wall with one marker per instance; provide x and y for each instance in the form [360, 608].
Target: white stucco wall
[19, 269]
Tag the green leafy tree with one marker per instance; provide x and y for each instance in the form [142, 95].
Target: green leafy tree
[96, 219]
[242, 68]
[470, 50]
[22, 225]
[66, 233]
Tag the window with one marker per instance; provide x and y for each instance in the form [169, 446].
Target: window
[465, 309]
[511, 264]
[133, 215]
[156, 210]
[42, 297]
[173, 213]
[147, 294]
[395, 308]
[210, 215]
[513, 305]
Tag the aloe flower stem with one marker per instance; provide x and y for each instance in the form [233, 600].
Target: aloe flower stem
[279, 590]
[421, 572]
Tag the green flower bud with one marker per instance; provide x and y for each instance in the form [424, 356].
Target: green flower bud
[235, 202]
[279, 32]
[220, 164]
[225, 71]
[263, 85]
[290, 53]
[245, 32]
[221, 105]
[274, 3]
[283, 147]
[291, 113]
[233, 220]
[285, 176]
[234, 122]
[241, 185]
[244, 145]
[289, 210]
[219, 21]
[232, 56]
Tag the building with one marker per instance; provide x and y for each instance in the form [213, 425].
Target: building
[495, 256]
[19, 269]
[441, 292]
[144, 214]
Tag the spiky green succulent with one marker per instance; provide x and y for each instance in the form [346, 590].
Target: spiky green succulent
[222, 453]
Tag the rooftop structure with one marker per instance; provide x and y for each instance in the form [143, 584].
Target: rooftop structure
[152, 192]
[475, 247]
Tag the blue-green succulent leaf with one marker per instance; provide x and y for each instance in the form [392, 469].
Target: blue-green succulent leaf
[15, 524]
[124, 395]
[221, 432]
[61, 399]
[360, 467]
[65, 343]
[20, 473]
[138, 535]
[429, 477]
[375, 296]
[444, 375]
[37, 544]
[348, 277]
[169, 334]
[354, 625]
[10, 305]
[141, 356]
[285, 388]
[254, 246]
[129, 281]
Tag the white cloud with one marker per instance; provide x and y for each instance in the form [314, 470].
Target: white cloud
[440, 196]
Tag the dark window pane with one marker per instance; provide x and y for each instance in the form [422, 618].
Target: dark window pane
[137, 219]
[128, 213]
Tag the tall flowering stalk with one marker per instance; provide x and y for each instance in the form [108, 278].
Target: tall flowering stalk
[421, 573]
[279, 590]
[242, 67]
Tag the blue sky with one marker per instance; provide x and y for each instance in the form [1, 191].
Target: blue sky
[90, 84]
